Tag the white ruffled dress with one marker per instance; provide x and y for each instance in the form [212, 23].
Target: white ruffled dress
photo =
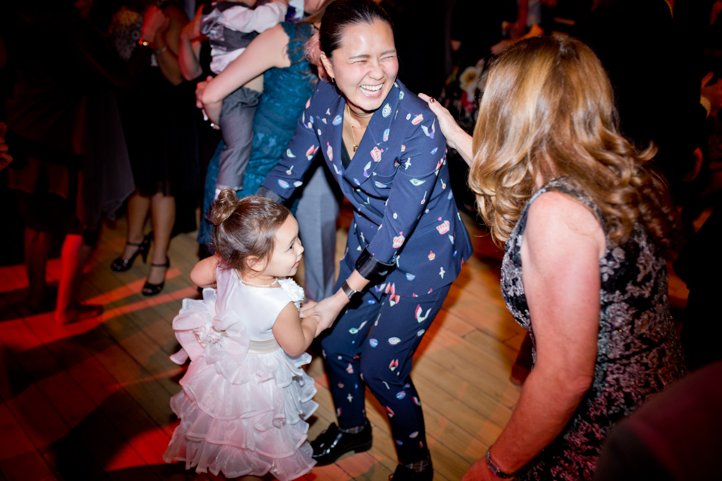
[244, 401]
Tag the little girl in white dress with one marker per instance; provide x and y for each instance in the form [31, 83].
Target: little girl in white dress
[245, 396]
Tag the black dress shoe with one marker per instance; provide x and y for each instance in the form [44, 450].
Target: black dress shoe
[334, 443]
[403, 473]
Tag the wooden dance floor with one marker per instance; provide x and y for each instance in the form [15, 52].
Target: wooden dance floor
[89, 401]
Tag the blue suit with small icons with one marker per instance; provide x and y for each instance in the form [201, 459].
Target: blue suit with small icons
[405, 217]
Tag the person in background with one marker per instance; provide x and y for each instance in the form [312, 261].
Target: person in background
[406, 243]
[70, 166]
[586, 228]
[157, 114]
[280, 54]
[230, 27]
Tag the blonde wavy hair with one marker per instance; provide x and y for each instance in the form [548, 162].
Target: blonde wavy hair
[548, 111]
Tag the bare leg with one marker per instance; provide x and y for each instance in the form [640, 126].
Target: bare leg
[162, 219]
[72, 258]
[138, 207]
[37, 249]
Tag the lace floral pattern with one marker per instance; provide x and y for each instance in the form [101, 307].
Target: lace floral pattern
[294, 291]
[638, 351]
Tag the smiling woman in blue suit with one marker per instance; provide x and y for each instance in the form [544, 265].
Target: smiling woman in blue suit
[406, 243]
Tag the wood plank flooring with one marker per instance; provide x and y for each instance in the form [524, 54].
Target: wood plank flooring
[89, 401]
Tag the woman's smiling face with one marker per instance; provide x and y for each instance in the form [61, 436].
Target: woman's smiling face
[365, 65]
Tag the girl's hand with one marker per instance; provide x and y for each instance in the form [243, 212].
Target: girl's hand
[327, 310]
[308, 304]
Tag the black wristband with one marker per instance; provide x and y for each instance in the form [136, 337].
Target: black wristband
[348, 290]
[371, 268]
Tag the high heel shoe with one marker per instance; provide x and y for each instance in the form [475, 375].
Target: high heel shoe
[121, 265]
[150, 289]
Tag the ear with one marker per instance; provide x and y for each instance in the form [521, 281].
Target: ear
[256, 264]
[329, 68]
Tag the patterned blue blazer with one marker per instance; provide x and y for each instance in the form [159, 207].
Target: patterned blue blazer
[397, 182]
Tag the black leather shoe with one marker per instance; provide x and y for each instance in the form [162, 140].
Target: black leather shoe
[334, 443]
[403, 473]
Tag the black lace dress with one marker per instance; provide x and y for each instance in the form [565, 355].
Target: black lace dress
[638, 350]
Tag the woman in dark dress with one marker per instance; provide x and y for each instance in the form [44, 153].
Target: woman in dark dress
[586, 227]
[159, 128]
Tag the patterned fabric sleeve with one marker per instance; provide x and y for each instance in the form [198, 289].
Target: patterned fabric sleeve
[421, 158]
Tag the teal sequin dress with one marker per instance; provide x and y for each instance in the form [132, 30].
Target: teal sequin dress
[285, 92]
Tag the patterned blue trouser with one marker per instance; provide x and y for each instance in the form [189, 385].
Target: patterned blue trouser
[372, 343]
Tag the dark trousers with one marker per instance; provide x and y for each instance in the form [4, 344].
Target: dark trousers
[372, 344]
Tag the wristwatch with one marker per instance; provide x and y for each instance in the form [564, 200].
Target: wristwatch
[348, 290]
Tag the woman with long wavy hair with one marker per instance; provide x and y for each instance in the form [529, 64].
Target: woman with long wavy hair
[586, 227]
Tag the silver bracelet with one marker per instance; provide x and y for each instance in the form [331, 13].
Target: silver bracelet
[496, 470]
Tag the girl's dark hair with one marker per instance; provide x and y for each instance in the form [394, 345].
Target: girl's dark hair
[341, 13]
[244, 228]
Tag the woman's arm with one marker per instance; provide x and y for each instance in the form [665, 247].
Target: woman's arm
[456, 137]
[203, 273]
[265, 51]
[161, 29]
[294, 334]
[189, 47]
[327, 310]
[562, 244]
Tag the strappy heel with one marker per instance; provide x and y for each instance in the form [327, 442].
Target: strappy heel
[150, 289]
[121, 265]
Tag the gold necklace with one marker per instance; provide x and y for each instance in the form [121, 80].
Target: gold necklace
[353, 131]
[355, 144]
